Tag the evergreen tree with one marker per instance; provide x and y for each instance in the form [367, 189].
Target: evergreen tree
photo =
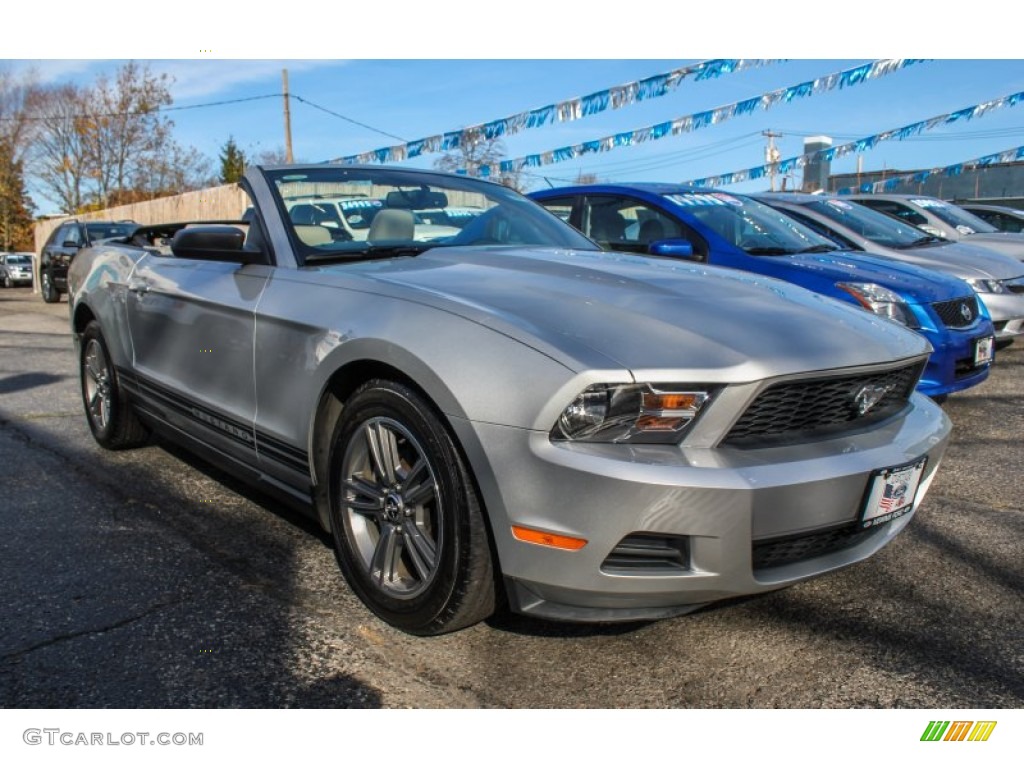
[232, 162]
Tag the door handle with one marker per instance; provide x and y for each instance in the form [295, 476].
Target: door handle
[138, 286]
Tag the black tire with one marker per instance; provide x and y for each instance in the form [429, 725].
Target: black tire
[49, 291]
[112, 420]
[8, 283]
[418, 557]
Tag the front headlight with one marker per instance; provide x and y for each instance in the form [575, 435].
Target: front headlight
[631, 413]
[981, 285]
[882, 301]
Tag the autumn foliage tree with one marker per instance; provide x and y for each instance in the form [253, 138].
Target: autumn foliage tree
[16, 233]
[15, 205]
[111, 143]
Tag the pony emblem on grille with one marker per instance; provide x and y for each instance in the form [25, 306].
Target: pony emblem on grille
[869, 396]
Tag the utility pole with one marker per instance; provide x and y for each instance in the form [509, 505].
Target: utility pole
[771, 156]
[289, 158]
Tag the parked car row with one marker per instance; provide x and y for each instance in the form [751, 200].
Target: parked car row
[828, 245]
[511, 413]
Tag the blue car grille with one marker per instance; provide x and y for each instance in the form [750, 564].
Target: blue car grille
[809, 409]
[957, 313]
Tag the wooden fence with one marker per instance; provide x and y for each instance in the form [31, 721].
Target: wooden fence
[226, 202]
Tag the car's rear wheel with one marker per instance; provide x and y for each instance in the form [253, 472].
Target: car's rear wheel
[50, 293]
[111, 418]
[408, 528]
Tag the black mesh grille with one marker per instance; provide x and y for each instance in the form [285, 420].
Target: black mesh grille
[818, 407]
[793, 549]
[958, 313]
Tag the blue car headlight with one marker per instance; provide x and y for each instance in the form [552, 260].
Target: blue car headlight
[882, 301]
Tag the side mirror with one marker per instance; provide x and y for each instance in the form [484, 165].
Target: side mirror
[214, 243]
[676, 248]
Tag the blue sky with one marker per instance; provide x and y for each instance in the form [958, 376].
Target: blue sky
[412, 98]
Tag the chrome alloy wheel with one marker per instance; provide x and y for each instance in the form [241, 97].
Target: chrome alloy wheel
[97, 384]
[391, 503]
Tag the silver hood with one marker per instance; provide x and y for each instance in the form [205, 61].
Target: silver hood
[962, 259]
[594, 309]
[1008, 243]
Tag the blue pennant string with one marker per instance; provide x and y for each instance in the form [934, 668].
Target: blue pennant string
[571, 109]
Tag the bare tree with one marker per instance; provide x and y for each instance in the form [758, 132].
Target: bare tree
[58, 159]
[276, 156]
[124, 128]
[476, 150]
[15, 127]
[174, 170]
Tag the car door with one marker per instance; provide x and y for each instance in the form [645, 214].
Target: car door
[191, 323]
[59, 251]
[625, 223]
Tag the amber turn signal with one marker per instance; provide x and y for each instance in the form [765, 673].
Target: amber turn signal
[546, 539]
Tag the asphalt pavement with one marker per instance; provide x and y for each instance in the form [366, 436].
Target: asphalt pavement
[147, 578]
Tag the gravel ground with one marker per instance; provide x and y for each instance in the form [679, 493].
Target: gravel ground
[147, 578]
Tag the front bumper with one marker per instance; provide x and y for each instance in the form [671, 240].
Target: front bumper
[1007, 312]
[951, 365]
[718, 503]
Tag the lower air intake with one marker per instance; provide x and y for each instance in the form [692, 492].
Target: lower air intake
[649, 555]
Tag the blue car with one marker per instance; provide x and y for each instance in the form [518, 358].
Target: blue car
[735, 231]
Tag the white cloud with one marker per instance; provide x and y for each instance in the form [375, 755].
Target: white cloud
[198, 78]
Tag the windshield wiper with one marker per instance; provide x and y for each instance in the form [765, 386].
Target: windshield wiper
[371, 252]
[770, 250]
[922, 241]
[823, 248]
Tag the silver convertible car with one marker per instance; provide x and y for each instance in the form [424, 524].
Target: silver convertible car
[509, 414]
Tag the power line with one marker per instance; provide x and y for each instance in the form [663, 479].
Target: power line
[138, 113]
[347, 119]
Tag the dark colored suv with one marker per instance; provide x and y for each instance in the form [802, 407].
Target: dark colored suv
[66, 241]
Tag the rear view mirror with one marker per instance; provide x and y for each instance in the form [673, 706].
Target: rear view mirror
[416, 199]
[676, 248]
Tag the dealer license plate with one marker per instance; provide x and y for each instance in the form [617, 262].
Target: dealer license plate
[892, 493]
[983, 350]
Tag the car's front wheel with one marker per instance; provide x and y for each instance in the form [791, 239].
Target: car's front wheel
[408, 528]
[50, 293]
[8, 283]
[111, 418]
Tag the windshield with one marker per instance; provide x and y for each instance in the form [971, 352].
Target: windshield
[868, 223]
[18, 258]
[750, 225]
[392, 221]
[965, 221]
[105, 231]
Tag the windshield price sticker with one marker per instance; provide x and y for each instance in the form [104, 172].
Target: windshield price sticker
[892, 494]
[984, 350]
[926, 203]
[840, 204]
[695, 199]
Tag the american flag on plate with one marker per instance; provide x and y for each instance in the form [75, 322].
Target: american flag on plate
[894, 496]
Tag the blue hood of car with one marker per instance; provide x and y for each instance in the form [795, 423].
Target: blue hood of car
[913, 283]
